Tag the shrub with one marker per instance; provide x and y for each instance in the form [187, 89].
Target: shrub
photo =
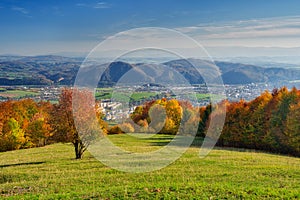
[115, 130]
[126, 127]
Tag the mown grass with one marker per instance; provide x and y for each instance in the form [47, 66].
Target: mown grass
[51, 173]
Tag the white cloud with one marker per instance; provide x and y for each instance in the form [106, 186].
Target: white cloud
[98, 5]
[257, 32]
[255, 37]
[20, 9]
[101, 5]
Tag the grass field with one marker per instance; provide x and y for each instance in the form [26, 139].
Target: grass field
[51, 173]
[17, 93]
[136, 96]
[119, 96]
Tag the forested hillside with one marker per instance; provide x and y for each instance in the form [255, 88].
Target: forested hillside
[47, 70]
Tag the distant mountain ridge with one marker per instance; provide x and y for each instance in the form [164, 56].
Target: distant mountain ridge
[47, 70]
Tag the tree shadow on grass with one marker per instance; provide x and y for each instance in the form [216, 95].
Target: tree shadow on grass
[197, 142]
[249, 150]
[161, 141]
[20, 164]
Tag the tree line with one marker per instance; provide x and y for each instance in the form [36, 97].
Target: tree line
[270, 122]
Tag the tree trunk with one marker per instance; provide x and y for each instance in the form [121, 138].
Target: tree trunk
[78, 152]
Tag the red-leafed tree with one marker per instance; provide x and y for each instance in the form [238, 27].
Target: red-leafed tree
[87, 125]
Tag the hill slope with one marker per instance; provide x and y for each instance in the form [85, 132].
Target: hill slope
[51, 172]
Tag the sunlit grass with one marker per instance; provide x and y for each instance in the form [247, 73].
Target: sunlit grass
[51, 173]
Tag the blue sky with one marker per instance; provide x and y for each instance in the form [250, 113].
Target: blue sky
[43, 27]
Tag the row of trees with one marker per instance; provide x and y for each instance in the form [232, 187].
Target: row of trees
[270, 122]
[26, 123]
[161, 116]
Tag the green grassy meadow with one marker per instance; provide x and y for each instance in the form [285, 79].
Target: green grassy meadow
[17, 93]
[136, 96]
[51, 172]
[107, 93]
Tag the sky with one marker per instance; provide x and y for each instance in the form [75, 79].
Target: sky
[226, 28]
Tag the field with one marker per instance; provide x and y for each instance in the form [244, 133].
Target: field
[108, 93]
[16, 93]
[51, 173]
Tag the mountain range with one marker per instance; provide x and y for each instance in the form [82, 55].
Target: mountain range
[47, 70]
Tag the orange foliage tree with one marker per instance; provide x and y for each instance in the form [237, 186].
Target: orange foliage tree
[23, 124]
[87, 127]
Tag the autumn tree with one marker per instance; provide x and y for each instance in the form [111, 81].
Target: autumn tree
[165, 116]
[87, 124]
[292, 130]
[39, 130]
[22, 122]
[204, 113]
[13, 136]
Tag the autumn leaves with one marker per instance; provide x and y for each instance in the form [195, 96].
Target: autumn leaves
[270, 122]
